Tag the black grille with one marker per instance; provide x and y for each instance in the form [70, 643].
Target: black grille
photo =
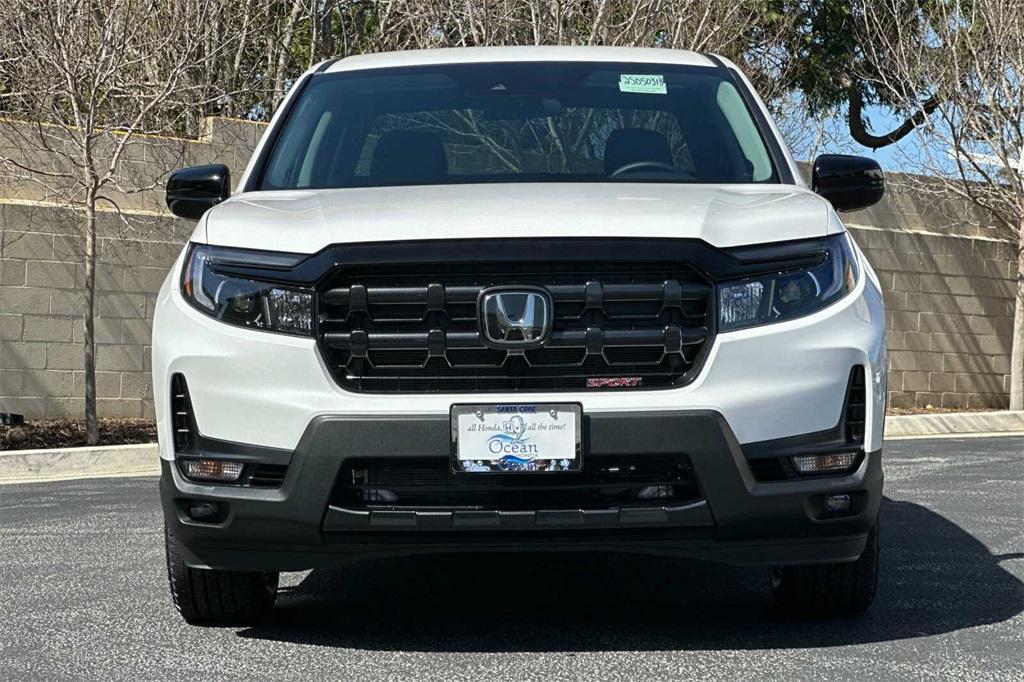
[416, 329]
[399, 483]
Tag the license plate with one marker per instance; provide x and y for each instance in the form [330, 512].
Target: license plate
[514, 438]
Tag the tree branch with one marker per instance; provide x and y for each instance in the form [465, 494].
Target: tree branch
[859, 130]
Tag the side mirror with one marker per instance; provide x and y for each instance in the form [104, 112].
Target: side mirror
[849, 182]
[193, 191]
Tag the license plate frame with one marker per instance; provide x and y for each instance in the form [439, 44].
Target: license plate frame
[536, 414]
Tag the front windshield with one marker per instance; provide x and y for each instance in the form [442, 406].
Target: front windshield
[518, 122]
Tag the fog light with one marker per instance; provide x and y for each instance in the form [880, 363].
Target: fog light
[653, 492]
[212, 470]
[822, 464]
[837, 503]
[203, 511]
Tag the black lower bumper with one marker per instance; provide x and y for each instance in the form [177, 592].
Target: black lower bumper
[736, 518]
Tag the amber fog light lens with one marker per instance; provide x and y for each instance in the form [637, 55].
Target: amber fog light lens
[824, 464]
[212, 470]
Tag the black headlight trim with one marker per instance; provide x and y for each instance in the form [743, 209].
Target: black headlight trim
[250, 273]
[839, 254]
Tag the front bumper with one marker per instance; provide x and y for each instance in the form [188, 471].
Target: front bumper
[739, 520]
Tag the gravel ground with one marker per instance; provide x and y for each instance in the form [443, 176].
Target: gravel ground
[83, 595]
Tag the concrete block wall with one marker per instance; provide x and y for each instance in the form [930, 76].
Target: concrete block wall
[42, 303]
[949, 309]
[42, 275]
[948, 284]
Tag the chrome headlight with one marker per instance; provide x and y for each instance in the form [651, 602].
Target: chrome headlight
[787, 295]
[208, 284]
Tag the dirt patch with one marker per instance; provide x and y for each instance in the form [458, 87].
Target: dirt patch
[70, 433]
[901, 411]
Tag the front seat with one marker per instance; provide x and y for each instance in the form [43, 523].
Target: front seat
[630, 145]
[408, 157]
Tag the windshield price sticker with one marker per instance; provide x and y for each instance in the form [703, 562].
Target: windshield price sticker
[648, 85]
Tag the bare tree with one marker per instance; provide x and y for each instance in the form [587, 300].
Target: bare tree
[85, 81]
[969, 54]
[738, 29]
[276, 40]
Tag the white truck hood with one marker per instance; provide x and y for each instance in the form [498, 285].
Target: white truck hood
[305, 221]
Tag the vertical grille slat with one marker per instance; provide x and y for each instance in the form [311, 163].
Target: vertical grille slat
[394, 329]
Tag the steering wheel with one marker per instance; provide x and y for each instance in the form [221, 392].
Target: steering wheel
[630, 167]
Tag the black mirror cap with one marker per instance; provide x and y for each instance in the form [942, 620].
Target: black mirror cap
[848, 182]
[193, 191]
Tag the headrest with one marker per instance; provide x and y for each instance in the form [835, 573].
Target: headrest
[408, 156]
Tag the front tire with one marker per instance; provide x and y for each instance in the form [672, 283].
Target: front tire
[844, 589]
[208, 597]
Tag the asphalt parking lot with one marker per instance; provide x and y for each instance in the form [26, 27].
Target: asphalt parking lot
[83, 595]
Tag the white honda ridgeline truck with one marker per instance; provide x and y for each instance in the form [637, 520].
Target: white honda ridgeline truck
[527, 299]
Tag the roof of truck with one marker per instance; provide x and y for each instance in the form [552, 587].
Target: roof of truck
[463, 55]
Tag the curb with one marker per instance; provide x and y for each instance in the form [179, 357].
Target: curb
[965, 423]
[30, 466]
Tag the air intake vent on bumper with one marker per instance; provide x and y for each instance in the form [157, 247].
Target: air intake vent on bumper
[268, 475]
[181, 411]
[769, 469]
[856, 402]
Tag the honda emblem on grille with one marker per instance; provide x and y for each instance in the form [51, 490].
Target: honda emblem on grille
[515, 317]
